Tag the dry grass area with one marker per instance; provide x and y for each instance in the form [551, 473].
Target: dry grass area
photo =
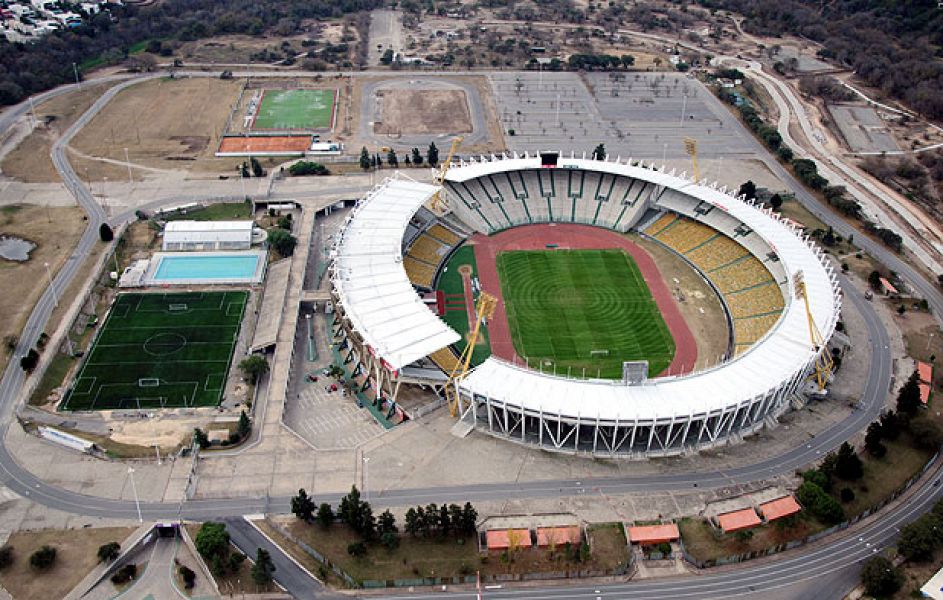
[883, 476]
[700, 306]
[419, 111]
[164, 124]
[55, 231]
[30, 161]
[75, 557]
[705, 542]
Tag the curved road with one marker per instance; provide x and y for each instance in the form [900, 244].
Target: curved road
[832, 557]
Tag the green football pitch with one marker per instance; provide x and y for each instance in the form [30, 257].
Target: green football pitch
[295, 109]
[570, 310]
[160, 350]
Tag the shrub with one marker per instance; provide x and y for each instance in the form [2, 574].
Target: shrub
[306, 167]
[125, 574]
[105, 233]
[212, 540]
[6, 557]
[357, 549]
[188, 576]
[43, 558]
[109, 552]
[847, 495]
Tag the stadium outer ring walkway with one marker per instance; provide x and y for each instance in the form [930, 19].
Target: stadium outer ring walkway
[583, 237]
[833, 564]
[665, 416]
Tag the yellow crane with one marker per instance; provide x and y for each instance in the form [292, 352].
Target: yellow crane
[484, 309]
[824, 363]
[439, 178]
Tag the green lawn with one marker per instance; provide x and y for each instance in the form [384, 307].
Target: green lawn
[450, 283]
[576, 309]
[220, 211]
[160, 350]
[295, 109]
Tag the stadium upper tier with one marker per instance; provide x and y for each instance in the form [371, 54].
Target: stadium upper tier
[661, 416]
[372, 294]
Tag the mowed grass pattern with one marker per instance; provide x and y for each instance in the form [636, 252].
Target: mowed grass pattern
[160, 350]
[565, 306]
[295, 109]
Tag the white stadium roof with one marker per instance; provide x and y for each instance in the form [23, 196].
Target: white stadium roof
[371, 282]
[779, 357]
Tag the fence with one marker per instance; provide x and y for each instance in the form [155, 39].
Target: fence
[738, 558]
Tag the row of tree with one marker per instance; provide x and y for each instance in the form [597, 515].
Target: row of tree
[370, 160]
[212, 542]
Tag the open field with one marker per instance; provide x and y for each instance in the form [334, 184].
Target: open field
[705, 542]
[55, 231]
[75, 557]
[30, 161]
[160, 350]
[295, 109]
[456, 314]
[582, 309]
[164, 124]
[419, 111]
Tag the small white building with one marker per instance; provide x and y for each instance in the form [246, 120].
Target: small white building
[195, 236]
[934, 587]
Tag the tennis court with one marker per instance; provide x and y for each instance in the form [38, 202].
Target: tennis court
[160, 351]
[296, 109]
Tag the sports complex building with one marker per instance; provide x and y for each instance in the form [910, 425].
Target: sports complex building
[779, 295]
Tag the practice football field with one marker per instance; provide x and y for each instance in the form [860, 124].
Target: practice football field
[582, 309]
[160, 350]
[295, 109]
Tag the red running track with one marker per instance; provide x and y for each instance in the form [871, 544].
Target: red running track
[577, 237]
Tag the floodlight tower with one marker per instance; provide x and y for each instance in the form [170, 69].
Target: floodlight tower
[484, 309]
[824, 363]
[439, 176]
[690, 146]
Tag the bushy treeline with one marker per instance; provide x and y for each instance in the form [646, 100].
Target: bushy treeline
[27, 69]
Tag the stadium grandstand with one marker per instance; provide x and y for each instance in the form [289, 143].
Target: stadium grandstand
[759, 264]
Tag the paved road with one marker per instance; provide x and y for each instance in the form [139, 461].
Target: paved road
[288, 574]
[836, 557]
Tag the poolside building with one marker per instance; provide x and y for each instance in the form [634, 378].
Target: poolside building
[197, 236]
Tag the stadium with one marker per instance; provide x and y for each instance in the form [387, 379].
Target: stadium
[584, 351]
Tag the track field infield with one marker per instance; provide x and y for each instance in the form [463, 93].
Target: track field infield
[295, 109]
[582, 309]
[160, 351]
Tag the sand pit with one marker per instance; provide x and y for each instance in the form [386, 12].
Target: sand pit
[422, 111]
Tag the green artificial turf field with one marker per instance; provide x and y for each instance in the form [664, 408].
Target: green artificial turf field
[450, 283]
[295, 109]
[576, 309]
[160, 350]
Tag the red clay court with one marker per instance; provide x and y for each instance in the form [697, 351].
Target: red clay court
[577, 237]
[264, 145]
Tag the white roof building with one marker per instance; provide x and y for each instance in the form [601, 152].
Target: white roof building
[934, 587]
[207, 235]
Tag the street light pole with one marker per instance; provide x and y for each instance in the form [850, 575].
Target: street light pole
[366, 488]
[128, 162]
[55, 297]
[134, 489]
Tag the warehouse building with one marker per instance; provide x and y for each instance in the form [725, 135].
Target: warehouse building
[195, 236]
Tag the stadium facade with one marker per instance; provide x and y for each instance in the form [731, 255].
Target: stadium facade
[388, 329]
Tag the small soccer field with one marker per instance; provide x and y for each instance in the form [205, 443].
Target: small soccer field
[571, 310]
[295, 109]
[160, 351]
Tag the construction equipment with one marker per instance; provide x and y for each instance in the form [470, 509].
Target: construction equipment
[690, 146]
[439, 177]
[824, 363]
[484, 309]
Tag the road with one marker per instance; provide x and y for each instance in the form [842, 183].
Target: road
[835, 559]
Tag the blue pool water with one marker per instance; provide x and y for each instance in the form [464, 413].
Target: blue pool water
[208, 268]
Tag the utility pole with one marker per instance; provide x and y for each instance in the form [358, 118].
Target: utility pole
[128, 163]
[134, 489]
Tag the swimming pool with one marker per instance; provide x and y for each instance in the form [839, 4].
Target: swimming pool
[206, 268]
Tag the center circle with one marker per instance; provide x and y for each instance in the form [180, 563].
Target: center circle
[164, 343]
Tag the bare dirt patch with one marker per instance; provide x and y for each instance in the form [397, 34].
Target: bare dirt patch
[55, 231]
[30, 161]
[421, 111]
[164, 123]
[75, 557]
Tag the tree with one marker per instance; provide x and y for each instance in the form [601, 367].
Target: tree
[926, 434]
[776, 201]
[432, 155]
[908, 399]
[212, 540]
[263, 568]
[43, 558]
[10, 342]
[390, 540]
[357, 549]
[188, 576]
[413, 525]
[325, 515]
[306, 167]
[919, 539]
[848, 466]
[469, 519]
[872, 440]
[6, 557]
[408, 163]
[748, 189]
[387, 57]
[257, 170]
[445, 523]
[391, 158]
[386, 523]
[302, 506]
[283, 242]
[244, 427]
[200, 437]
[599, 152]
[874, 280]
[125, 574]
[365, 162]
[105, 232]
[847, 495]
[890, 425]
[254, 367]
[417, 157]
[29, 360]
[109, 552]
[880, 577]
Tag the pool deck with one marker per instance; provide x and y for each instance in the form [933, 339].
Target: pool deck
[257, 276]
